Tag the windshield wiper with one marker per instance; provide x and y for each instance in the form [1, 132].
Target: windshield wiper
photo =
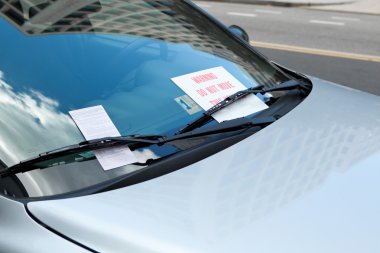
[207, 115]
[84, 146]
[137, 140]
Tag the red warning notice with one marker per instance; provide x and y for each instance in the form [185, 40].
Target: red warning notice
[209, 87]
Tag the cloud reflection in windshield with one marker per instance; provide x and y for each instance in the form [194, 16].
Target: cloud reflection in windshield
[29, 117]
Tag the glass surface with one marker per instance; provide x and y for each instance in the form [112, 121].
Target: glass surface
[58, 56]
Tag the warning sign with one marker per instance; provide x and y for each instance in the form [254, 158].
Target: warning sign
[211, 86]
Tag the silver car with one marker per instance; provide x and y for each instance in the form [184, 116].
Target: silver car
[148, 126]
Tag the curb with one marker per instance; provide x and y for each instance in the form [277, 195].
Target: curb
[283, 3]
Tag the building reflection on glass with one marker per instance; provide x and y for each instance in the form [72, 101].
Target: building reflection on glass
[167, 20]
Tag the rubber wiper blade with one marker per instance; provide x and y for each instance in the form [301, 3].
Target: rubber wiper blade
[101, 143]
[226, 126]
[207, 115]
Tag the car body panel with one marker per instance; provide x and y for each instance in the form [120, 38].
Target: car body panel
[306, 183]
[19, 233]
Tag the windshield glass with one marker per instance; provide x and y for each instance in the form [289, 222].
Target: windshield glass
[58, 56]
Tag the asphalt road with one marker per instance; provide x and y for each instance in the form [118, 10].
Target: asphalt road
[361, 75]
[339, 47]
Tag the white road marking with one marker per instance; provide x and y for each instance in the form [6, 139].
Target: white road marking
[346, 19]
[241, 14]
[323, 22]
[269, 12]
[204, 5]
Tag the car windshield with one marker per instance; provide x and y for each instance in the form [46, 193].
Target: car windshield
[57, 56]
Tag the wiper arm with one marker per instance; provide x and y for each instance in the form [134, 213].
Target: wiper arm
[207, 115]
[141, 140]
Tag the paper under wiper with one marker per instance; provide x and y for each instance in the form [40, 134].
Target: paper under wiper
[211, 86]
[94, 123]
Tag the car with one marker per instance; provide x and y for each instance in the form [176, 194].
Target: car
[149, 126]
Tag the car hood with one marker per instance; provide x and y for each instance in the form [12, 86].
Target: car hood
[307, 183]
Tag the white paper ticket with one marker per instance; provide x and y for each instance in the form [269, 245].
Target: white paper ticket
[95, 123]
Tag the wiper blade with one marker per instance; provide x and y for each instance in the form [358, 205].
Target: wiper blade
[231, 125]
[95, 144]
[141, 140]
[288, 85]
[207, 115]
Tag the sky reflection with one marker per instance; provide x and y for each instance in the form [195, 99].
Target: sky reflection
[29, 117]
